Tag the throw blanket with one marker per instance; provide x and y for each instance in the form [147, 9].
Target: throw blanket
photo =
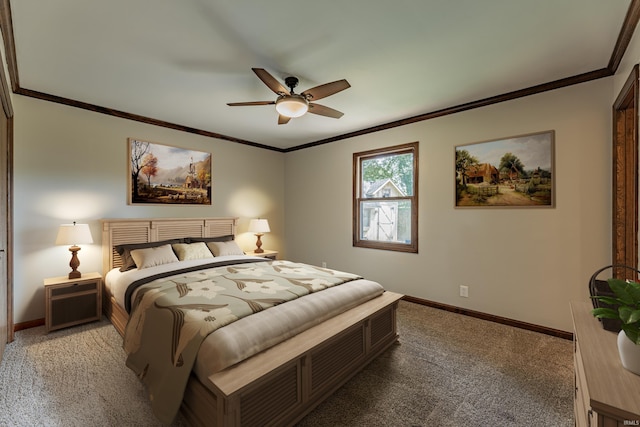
[172, 316]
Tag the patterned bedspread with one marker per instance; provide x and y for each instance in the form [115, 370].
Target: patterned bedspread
[172, 316]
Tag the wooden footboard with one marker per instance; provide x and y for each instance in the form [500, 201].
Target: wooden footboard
[281, 385]
[284, 383]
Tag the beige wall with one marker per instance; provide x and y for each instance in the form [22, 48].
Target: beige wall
[524, 264]
[71, 164]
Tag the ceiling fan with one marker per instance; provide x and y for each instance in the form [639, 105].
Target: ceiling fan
[290, 104]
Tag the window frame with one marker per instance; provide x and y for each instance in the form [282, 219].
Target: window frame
[358, 200]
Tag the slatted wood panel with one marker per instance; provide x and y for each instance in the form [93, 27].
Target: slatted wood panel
[180, 230]
[381, 327]
[273, 399]
[219, 228]
[339, 356]
[123, 231]
[124, 234]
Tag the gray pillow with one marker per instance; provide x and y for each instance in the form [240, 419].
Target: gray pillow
[209, 239]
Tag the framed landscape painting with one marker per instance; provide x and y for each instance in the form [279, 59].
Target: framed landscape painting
[510, 172]
[163, 174]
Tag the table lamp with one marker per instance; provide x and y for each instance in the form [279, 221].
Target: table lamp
[73, 234]
[259, 227]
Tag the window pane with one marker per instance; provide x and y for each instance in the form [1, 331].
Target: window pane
[387, 176]
[385, 198]
[386, 221]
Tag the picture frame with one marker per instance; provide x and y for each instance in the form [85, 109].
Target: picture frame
[167, 175]
[513, 172]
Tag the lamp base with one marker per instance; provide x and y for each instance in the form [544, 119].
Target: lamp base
[258, 249]
[75, 263]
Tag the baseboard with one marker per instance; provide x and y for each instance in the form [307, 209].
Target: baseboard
[490, 317]
[26, 325]
[485, 316]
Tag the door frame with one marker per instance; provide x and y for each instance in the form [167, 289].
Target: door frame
[7, 110]
[625, 179]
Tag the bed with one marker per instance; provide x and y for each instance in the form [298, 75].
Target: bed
[281, 382]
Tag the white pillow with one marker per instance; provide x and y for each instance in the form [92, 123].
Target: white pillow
[186, 251]
[150, 257]
[225, 248]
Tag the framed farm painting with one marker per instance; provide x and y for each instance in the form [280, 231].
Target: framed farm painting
[162, 174]
[510, 172]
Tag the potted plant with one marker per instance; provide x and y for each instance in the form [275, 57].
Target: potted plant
[627, 300]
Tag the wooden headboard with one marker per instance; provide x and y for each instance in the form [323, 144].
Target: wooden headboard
[143, 230]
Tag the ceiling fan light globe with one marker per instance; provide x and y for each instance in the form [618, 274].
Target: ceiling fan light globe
[292, 106]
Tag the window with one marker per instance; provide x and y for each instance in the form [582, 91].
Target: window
[385, 198]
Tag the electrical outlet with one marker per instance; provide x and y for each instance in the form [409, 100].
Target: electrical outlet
[464, 291]
[324, 264]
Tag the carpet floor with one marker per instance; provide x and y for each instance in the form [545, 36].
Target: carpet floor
[447, 370]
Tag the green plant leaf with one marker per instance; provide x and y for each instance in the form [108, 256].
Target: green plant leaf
[606, 313]
[632, 332]
[625, 314]
[620, 289]
[607, 300]
[634, 291]
[634, 316]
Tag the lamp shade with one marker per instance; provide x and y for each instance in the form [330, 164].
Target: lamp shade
[259, 226]
[292, 106]
[73, 234]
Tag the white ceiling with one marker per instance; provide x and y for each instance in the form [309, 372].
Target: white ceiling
[183, 61]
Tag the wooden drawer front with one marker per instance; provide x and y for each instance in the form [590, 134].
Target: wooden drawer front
[581, 409]
[73, 288]
[272, 400]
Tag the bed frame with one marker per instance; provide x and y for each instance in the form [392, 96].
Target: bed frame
[278, 386]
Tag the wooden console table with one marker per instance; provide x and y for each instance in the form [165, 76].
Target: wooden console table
[606, 394]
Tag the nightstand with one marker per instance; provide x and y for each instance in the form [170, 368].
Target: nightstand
[70, 302]
[266, 254]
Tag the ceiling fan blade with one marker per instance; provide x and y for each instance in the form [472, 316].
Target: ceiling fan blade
[325, 111]
[283, 120]
[242, 104]
[270, 81]
[325, 90]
